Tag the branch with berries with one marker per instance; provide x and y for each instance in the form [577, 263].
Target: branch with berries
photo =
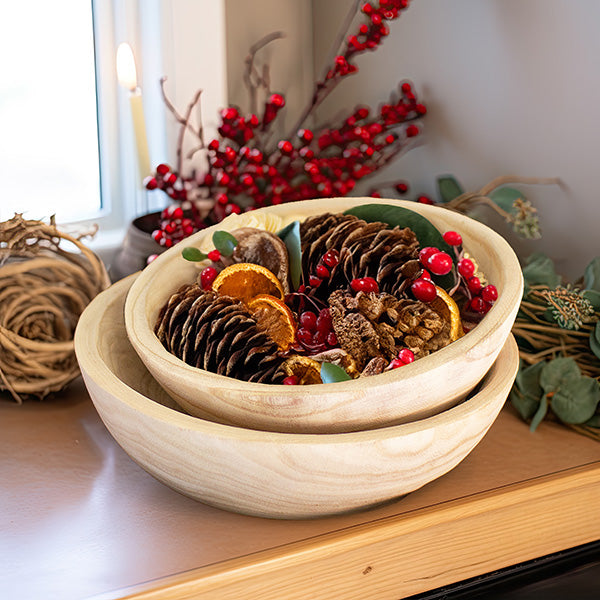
[247, 167]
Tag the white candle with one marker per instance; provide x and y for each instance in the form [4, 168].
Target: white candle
[128, 78]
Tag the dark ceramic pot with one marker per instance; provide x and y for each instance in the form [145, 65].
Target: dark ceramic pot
[137, 246]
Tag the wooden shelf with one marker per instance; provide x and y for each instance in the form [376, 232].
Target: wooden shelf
[79, 519]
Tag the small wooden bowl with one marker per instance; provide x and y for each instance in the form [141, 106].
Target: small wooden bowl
[421, 389]
[277, 475]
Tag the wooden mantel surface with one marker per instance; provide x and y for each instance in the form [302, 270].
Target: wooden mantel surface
[79, 519]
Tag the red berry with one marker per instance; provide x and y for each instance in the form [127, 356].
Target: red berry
[308, 320]
[285, 146]
[440, 263]
[466, 267]
[214, 255]
[277, 100]
[474, 285]
[291, 380]
[452, 238]
[406, 355]
[331, 258]
[489, 293]
[426, 253]
[314, 281]
[163, 169]
[222, 198]
[304, 336]
[170, 178]
[425, 275]
[150, 183]
[401, 187]
[479, 305]
[322, 271]
[319, 337]
[425, 200]
[331, 339]
[207, 276]
[412, 131]
[324, 322]
[305, 134]
[177, 213]
[423, 290]
[364, 284]
[396, 363]
[157, 235]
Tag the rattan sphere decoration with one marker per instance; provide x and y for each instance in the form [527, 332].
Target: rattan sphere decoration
[47, 278]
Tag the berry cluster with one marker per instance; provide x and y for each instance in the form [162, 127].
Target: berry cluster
[246, 170]
[405, 357]
[315, 331]
[174, 226]
[480, 298]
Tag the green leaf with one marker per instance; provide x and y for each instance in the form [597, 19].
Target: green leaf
[528, 380]
[593, 297]
[595, 340]
[540, 414]
[224, 242]
[193, 254]
[591, 276]
[505, 198]
[557, 372]
[526, 405]
[398, 216]
[448, 188]
[331, 373]
[576, 400]
[539, 270]
[291, 238]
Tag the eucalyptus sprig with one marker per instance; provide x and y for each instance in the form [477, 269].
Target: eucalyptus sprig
[558, 332]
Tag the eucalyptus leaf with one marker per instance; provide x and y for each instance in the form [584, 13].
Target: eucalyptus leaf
[193, 254]
[331, 373]
[539, 270]
[576, 400]
[540, 413]
[224, 242]
[290, 235]
[505, 198]
[593, 297]
[591, 275]
[557, 372]
[525, 404]
[448, 188]
[595, 340]
[398, 216]
[528, 380]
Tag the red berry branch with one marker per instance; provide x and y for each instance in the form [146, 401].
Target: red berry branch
[245, 171]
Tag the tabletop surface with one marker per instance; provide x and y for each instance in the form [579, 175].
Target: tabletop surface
[78, 518]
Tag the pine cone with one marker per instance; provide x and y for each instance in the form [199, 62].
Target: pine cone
[390, 256]
[218, 334]
[371, 325]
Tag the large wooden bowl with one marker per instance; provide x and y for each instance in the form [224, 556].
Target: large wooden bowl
[418, 390]
[268, 474]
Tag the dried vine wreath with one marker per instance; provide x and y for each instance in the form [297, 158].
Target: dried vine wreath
[44, 288]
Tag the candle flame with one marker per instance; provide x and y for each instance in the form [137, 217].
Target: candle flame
[126, 67]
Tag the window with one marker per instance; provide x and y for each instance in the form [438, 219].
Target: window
[49, 140]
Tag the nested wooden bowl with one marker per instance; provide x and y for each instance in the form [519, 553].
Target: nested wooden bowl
[421, 389]
[278, 475]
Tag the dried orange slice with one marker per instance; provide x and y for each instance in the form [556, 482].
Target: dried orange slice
[445, 305]
[246, 281]
[307, 370]
[275, 318]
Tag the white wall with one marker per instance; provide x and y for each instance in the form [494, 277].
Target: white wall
[512, 87]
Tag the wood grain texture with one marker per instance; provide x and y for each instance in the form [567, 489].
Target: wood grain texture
[265, 473]
[409, 554]
[419, 390]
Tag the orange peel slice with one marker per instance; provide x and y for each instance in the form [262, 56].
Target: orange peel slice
[307, 370]
[275, 318]
[445, 305]
[246, 281]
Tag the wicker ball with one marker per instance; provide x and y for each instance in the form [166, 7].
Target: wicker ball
[47, 278]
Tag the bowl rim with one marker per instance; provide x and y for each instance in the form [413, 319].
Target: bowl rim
[510, 296]
[93, 367]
